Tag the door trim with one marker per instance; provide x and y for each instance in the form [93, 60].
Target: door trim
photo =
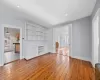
[54, 40]
[71, 40]
[94, 18]
[11, 26]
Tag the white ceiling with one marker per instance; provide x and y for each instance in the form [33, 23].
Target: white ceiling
[53, 11]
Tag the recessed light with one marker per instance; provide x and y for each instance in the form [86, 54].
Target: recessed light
[18, 6]
[66, 14]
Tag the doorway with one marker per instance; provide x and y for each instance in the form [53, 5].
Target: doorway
[95, 39]
[12, 46]
[64, 44]
[63, 40]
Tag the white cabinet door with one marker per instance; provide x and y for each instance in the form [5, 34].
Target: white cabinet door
[31, 51]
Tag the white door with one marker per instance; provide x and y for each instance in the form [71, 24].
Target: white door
[95, 46]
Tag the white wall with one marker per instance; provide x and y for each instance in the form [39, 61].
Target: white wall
[50, 40]
[10, 16]
[6, 18]
[10, 19]
[97, 6]
[82, 39]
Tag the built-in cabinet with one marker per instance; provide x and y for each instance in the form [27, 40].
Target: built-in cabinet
[35, 32]
[35, 40]
[41, 50]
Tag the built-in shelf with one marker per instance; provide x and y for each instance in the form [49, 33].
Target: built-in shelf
[35, 32]
[35, 40]
[40, 50]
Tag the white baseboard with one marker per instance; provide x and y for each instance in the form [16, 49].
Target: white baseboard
[82, 58]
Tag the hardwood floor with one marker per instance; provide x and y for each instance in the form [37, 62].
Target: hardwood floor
[48, 67]
[63, 51]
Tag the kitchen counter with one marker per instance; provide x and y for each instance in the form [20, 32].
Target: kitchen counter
[17, 47]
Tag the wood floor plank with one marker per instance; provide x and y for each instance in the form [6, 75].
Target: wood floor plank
[48, 67]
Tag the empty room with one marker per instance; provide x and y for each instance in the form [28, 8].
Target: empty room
[50, 40]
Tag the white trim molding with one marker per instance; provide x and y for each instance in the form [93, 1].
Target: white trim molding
[83, 58]
[2, 37]
[97, 15]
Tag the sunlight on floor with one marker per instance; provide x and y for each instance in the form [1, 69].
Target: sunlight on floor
[11, 56]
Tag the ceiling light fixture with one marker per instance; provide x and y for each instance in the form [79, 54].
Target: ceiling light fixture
[66, 14]
[18, 6]
[7, 33]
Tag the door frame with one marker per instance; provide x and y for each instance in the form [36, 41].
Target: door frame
[70, 27]
[71, 40]
[11, 26]
[97, 15]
